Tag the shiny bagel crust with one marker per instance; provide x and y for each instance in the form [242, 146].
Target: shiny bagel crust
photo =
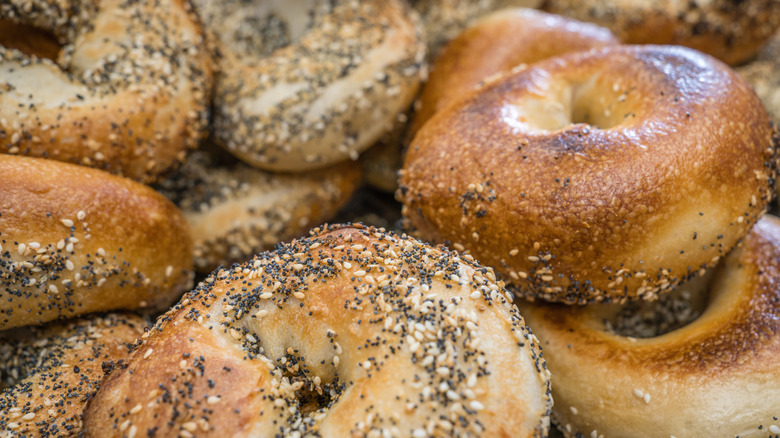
[51, 371]
[351, 332]
[731, 31]
[718, 375]
[77, 240]
[303, 85]
[498, 42]
[520, 173]
[127, 93]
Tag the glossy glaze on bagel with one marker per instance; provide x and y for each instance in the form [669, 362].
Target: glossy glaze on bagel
[50, 372]
[126, 93]
[351, 332]
[496, 43]
[732, 31]
[305, 84]
[604, 175]
[236, 211]
[716, 376]
[76, 240]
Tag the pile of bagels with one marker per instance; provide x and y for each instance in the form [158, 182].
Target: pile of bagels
[552, 218]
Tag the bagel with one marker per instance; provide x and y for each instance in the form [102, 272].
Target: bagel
[382, 161]
[731, 31]
[127, 92]
[351, 332]
[445, 19]
[304, 85]
[496, 43]
[235, 211]
[717, 375]
[52, 371]
[605, 175]
[763, 74]
[77, 240]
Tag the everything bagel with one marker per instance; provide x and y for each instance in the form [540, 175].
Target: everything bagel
[50, 372]
[731, 31]
[604, 175]
[305, 85]
[127, 92]
[236, 211]
[351, 332]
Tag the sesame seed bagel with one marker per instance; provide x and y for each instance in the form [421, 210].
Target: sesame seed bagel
[715, 376]
[236, 211]
[604, 175]
[75, 240]
[445, 19]
[127, 92]
[499, 42]
[50, 372]
[304, 84]
[351, 332]
[729, 30]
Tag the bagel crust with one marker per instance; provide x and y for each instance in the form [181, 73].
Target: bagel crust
[52, 371]
[496, 43]
[604, 175]
[236, 211]
[716, 376]
[304, 84]
[77, 240]
[352, 332]
[445, 19]
[729, 30]
[127, 92]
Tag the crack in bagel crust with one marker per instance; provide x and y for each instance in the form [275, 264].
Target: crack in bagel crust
[606, 175]
[717, 374]
[127, 92]
[50, 372]
[350, 68]
[351, 332]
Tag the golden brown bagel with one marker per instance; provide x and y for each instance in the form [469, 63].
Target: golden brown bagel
[604, 175]
[52, 371]
[729, 30]
[716, 376]
[127, 92]
[305, 84]
[351, 332]
[236, 211]
[496, 43]
[77, 240]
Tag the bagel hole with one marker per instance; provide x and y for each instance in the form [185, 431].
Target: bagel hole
[31, 41]
[671, 311]
[566, 104]
[271, 26]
